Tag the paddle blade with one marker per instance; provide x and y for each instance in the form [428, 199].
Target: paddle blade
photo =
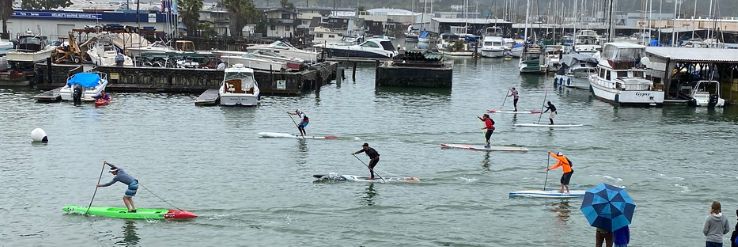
[331, 137]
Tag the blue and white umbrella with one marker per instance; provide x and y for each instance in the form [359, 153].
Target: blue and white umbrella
[608, 207]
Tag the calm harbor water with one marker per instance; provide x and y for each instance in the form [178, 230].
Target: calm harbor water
[251, 191]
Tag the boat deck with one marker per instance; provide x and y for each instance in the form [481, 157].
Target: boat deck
[49, 96]
[208, 98]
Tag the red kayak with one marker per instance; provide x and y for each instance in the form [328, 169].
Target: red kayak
[101, 102]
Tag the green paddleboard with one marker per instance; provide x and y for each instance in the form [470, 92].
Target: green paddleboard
[122, 213]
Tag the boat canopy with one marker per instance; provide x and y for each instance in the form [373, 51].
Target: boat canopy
[84, 79]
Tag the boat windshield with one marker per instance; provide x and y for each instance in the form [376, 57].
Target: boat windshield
[387, 45]
[29, 40]
[622, 54]
[245, 77]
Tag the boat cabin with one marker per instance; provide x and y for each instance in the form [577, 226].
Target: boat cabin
[239, 80]
[377, 43]
[30, 43]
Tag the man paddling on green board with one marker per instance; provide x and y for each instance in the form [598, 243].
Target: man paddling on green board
[489, 125]
[123, 177]
[304, 121]
[565, 164]
[373, 158]
[552, 108]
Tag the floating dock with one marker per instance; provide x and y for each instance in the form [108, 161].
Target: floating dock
[49, 96]
[208, 98]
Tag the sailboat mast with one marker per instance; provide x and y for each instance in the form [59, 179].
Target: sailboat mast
[527, 12]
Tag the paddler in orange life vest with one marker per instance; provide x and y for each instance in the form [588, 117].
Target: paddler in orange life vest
[565, 164]
[489, 125]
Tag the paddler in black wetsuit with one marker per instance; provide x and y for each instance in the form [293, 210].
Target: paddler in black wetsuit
[552, 108]
[373, 157]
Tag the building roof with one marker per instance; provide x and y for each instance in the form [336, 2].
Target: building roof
[625, 45]
[680, 29]
[386, 11]
[471, 20]
[684, 54]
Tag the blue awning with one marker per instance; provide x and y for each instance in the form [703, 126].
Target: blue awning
[84, 80]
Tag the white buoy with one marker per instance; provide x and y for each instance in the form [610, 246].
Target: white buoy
[39, 135]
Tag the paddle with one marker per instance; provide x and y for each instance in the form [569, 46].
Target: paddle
[367, 166]
[544, 104]
[293, 121]
[548, 162]
[506, 95]
[98, 182]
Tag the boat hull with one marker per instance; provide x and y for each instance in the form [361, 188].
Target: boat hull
[493, 53]
[338, 52]
[629, 97]
[239, 100]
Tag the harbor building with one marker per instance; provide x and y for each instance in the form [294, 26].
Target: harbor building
[54, 23]
[680, 68]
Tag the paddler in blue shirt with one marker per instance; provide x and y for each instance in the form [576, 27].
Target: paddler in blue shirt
[373, 157]
[123, 177]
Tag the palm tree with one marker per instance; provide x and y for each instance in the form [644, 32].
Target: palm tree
[189, 10]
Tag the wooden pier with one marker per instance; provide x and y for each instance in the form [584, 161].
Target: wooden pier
[49, 96]
[179, 80]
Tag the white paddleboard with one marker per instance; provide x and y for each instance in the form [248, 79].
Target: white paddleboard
[547, 194]
[550, 125]
[286, 135]
[333, 177]
[483, 148]
[514, 112]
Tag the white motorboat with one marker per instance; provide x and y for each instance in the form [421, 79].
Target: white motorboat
[239, 87]
[286, 50]
[102, 54]
[371, 48]
[30, 48]
[706, 93]
[493, 46]
[620, 79]
[250, 60]
[586, 41]
[574, 71]
[158, 47]
[552, 57]
[91, 84]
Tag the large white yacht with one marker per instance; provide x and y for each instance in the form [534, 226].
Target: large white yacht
[621, 80]
[286, 50]
[239, 87]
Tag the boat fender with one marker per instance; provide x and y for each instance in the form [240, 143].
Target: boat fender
[39, 135]
[568, 81]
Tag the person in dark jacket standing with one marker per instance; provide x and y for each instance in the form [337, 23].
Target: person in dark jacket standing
[735, 233]
[373, 157]
[716, 225]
